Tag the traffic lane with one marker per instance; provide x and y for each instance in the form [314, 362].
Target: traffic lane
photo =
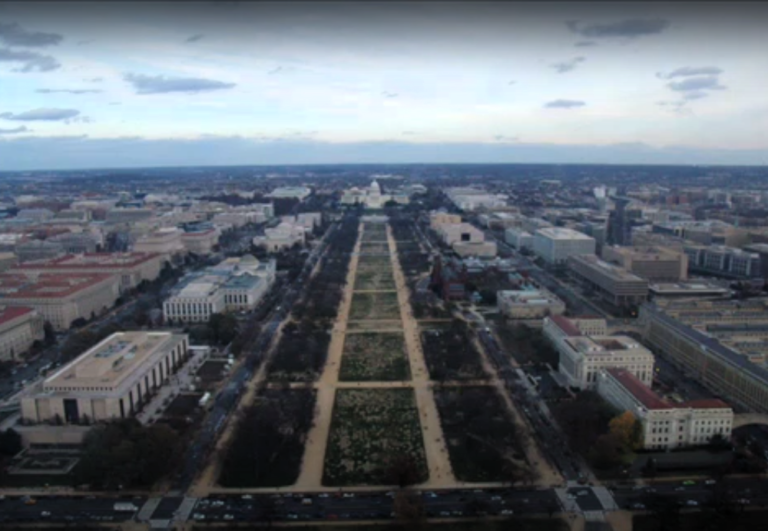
[585, 498]
[67, 506]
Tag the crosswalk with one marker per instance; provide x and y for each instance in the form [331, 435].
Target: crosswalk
[145, 513]
[605, 498]
[185, 509]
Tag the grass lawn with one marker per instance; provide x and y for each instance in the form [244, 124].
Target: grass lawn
[374, 248]
[371, 430]
[373, 261]
[374, 357]
[383, 305]
[375, 279]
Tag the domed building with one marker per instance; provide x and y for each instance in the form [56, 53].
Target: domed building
[371, 197]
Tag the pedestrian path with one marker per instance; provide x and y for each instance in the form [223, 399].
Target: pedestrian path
[148, 508]
[567, 504]
[606, 498]
[185, 509]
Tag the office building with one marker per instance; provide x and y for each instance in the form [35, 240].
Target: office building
[443, 218]
[719, 367]
[128, 215]
[290, 192]
[283, 236]
[665, 425]
[200, 242]
[7, 261]
[20, 327]
[519, 239]
[582, 357]
[166, 241]
[37, 250]
[131, 268]
[725, 261]
[686, 290]
[529, 303]
[614, 284]
[554, 245]
[656, 264]
[60, 298]
[471, 199]
[113, 380]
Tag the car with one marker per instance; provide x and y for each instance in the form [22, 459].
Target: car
[571, 496]
[348, 495]
[692, 503]
[445, 513]
[323, 495]
[507, 512]
[689, 482]
[710, 482]
[742, 501]
[246, 497]
[678, 489]
[198, 516]
[228, 517]
[638, 506]
[45, 514]
[582, 493]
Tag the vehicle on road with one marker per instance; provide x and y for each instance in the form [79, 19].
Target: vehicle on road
[125, 507]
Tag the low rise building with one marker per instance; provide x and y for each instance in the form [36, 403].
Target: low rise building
[60, 298]
[665, 425]
[442, 218]
[113, 380]
[76, 242]
[131, 268]
[290, 192]
[582, 357]
[164, 241]
[519, 239]
[128, 215]
[529, 303]
[200, 242]
[37, 250]
[725, 261]
[20, 327]
[617, 286]
[283, 236]
[684, 290]
[7, 261]
[554, 245]
[657, 264]
[196, 299]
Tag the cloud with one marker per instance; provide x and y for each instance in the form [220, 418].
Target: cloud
[275, 71]
[513, 82]
[408, 133]
[564, 104]
[15, 35]
[630, 28]
[687, 71]
[696, 84]
[504, 138]
[163, 85]
[22, 129]
[83, 43]
[585, 44]
[40, 115]
[695, 95]
[94, 80]
[68, 91]
[567, 66]
[31, 61]
[389, 94]
[194, 38]
[115, 103]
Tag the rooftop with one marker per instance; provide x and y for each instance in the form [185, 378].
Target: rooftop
[91, 260]
[9, 313]
[561, 233]
[110, 361]
[638, 389]
[566, 325]
[46, 285]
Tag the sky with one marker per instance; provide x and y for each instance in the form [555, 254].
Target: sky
[121, 84]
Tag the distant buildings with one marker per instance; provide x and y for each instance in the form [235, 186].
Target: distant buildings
[60, 298]
[587, 349]
[656, 264]
[620, 223]
[519, 239]
[38, 250]
[290, 192]
[370, 197]
[441, 218]
[529, 303]
[283, 236]
[472, 199]
[167, 241]
[466, 240]
[20, 327]
[200, 242]
[686, 290]
[726, 261]
[665, 425]
[128, 215]
[620, 288]
[556, 245]
[7, 260]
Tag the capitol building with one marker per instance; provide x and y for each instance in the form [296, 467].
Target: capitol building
[371, 197]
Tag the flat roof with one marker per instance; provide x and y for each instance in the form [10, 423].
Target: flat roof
[566, 325]
[9, 313]
[613, 271]
[91, 260]
[710, 343]
[638, 389]
[686, 287]
[46, 285]
[562, 233]
[109, 362]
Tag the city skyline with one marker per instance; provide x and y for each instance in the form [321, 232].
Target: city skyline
[124, 85]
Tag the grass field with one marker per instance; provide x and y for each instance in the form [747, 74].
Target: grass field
[373, 261]
[375, 357]
[371, 430]
[375, 279]
[374, 248]
[383, 305]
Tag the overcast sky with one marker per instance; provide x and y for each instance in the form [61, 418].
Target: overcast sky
[136, 84]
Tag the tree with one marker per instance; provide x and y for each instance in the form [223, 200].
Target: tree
[223, 328]
[10, 442]
[606, 452]
[403, 471]
[49, 334]
[408, 508]
[626, 431]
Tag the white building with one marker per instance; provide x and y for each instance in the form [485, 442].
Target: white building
[529, 304]
[582, 357]
[234, 284]
[165, 241]
[283, 236]
[371, 197]
[471, 199]
[200, 242]
[519, 238]
[554, 245]
[665, 425]
[112, 380]
[19, 327]
[297, 192]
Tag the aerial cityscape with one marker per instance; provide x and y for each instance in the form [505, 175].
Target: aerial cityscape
[383, 266]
